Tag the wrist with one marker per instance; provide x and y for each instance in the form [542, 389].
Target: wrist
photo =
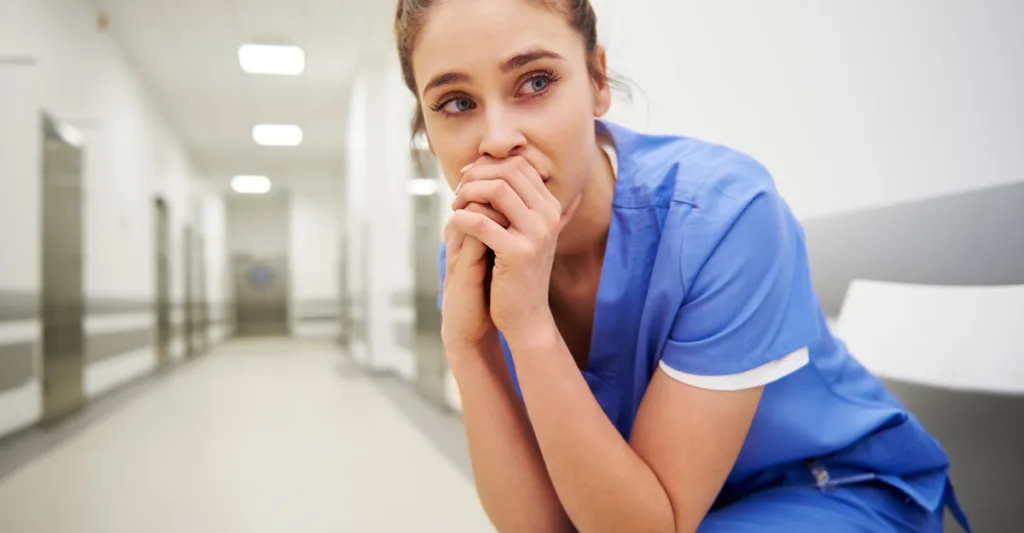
[485, 356]
[539, 334]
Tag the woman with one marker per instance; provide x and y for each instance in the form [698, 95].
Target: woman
[663, 363]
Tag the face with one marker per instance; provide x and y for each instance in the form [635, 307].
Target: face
[501, 78]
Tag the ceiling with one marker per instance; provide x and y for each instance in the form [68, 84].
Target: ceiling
[186, 52]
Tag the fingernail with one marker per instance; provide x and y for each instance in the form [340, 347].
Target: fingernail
[458, 188]
[467, 167]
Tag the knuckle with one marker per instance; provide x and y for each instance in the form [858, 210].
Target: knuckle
[479, 223]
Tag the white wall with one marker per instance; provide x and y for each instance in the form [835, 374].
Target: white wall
[316, 255]
[79, 76]
[378, 167]
[258, 225]
[850, 104]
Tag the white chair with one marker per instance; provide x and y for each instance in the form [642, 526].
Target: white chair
[954, 355]
[964, 338]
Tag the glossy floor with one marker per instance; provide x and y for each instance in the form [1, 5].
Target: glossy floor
[259, 436]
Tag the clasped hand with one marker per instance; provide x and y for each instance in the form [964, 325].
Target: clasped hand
[501, 205]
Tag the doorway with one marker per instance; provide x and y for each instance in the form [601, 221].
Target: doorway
[163, 283]
[261, 295]
[62, 298]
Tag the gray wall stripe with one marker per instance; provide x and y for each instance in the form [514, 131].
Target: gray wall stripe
[18, 305]
[973, 238]
[17, 365]
[319, 318]
[111, 306]
[107, 345]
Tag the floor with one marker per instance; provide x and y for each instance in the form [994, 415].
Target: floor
[258, 436]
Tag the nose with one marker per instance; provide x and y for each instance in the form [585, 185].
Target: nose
[502, 135]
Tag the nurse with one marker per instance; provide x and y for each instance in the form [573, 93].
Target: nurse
[630, 318]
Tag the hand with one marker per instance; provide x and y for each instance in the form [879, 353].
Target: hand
[466, 324]
[525, 250]
[465, 321]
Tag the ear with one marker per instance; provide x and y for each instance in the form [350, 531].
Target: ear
[602, 92]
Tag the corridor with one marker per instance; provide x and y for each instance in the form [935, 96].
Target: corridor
[259, 436]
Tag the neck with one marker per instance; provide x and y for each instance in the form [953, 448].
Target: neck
[582, 242]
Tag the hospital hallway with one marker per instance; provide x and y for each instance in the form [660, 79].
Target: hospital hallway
[259, 436]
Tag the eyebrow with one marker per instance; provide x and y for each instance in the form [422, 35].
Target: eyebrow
[515, 62]
[521, 60]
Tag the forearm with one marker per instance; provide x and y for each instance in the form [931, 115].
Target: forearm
[511, 480]
[601, 482]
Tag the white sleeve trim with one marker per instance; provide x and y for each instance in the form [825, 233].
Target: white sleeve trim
[756, 377]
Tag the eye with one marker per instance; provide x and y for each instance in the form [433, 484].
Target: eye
[454, 106]
[537, 84]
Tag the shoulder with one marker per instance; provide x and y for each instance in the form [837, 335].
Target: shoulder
[709, 178]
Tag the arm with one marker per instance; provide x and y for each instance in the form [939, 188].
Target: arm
[747, 303]
[685, 442]
[511, 480]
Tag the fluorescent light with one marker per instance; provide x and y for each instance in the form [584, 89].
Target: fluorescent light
[271, 59]
[421, 187]
[277, 135]
[251, 184]
[70, 134]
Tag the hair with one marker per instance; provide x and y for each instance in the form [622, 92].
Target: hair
[412, 13]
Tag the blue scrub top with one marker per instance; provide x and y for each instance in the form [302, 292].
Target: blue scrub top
[706, 274]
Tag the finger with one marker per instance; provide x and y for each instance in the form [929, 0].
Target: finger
[453, 242]
[500, 196]
[472, 251]
[515, 171]
[486, 230]
[489, 212]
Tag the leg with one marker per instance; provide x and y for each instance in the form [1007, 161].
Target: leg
[852, 509]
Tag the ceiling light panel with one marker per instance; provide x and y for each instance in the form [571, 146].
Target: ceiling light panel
[277, 135]
[272, 59]
[251, 184]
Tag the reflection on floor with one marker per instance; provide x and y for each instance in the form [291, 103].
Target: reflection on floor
[260, 436]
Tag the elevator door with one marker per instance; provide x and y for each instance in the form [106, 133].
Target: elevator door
[62, 272]
[261, 295]
[163, 283]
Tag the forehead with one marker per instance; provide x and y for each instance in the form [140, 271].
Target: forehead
[469, 35]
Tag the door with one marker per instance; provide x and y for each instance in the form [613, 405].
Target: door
[63, 343]
[261, 295]
[431, 365]
[188, 301]
[202, 314]
[163, 283]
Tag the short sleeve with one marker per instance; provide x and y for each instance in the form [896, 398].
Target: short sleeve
[749, 313]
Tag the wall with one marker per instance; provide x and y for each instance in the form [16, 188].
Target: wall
[379, 165]
[62, 65]
[316, 256]
[850, 104]
[258, 225]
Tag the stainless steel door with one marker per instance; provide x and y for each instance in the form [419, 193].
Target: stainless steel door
[261, 295]
[63, 354]
[163, 283]
[202, 313]
[431, 365]
[188, 301]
